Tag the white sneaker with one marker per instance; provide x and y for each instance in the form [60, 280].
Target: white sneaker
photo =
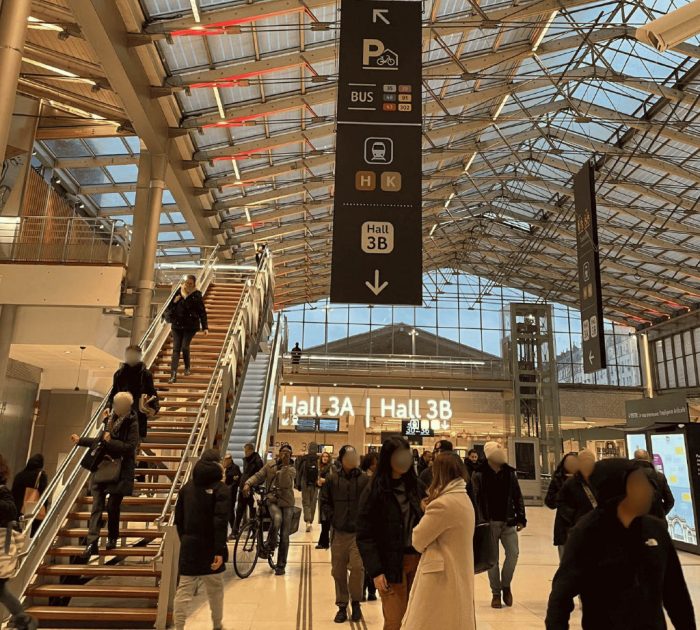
[308, 527]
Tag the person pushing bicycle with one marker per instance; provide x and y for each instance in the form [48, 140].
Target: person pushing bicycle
[278, 476]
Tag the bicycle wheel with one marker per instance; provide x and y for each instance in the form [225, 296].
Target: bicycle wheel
[245, 552]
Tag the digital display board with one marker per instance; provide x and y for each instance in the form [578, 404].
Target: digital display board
[416, 428]
[671, 458]
[328, 425]
[635, 442]
[306, 425]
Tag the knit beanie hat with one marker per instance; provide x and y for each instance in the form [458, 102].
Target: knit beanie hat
[490, 448]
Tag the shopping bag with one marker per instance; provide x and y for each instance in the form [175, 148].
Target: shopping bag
[485, 549]
[32, 498]
[296, 518]
[12, 544]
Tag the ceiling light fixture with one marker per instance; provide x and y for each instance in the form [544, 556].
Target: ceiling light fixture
[219, 103]
[432, 229]
[543, 31]
[449, 199]
[468, 163]
[499, 109]
[195, 10]
[235, 169]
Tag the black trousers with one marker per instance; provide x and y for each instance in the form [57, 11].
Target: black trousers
[243, 503]
[114, 503]
[181, 344]
[324, 540]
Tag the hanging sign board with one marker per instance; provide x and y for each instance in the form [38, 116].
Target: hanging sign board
[377, 235]
[593, 341]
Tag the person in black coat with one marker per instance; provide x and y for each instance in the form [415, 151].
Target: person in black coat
[252, 463]
[471, 461]
[9, 514]
[565, 470]
[187, 314]
[135, 378]
[575, 499]
[390, 507]
[201, 518]
[31, 476]
[232, 478]
[663, 497]
[621, 561]
[325, 467]
[499, 500]
[120, 439]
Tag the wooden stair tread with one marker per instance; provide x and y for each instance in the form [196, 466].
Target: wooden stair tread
[79, 532]
[88, 613]
[143, 517]
[90, 590]
[129, 501]
[95, 570]
[164, 472]
[121, 552]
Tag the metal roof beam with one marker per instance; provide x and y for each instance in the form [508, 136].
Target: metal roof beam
[96, 162]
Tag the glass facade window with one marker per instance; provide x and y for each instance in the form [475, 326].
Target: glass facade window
[677, 360]
[459, 310]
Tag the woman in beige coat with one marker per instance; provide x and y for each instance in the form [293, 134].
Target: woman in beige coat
[443, 591]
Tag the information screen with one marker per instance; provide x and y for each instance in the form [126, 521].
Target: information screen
[306, 425]
[635, 441]
[670, 458]
[328, 425]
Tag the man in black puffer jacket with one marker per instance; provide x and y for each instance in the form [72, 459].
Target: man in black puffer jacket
[620, 560]
[201, 518]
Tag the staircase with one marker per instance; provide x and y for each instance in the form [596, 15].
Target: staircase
[248, 413]
[120, 588]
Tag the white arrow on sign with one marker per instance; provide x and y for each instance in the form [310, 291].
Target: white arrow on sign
[376, 288]
[380, 14]
[591, 357]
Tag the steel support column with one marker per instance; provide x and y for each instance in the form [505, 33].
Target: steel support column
[645, 356]
[13, 32]
[138, 229]
[7, 327]
[142, 315]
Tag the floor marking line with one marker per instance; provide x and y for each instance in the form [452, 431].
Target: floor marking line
[301, 591]
[311, 582]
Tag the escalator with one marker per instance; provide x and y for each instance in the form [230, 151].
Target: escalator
[131, 586]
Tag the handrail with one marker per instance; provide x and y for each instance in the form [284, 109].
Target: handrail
[203, 280]
[271, 377]
[213, 386]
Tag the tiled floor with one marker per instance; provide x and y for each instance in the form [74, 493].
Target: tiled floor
[295, 602]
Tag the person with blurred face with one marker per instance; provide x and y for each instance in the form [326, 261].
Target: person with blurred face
[620, 560]
[390, 508]
[278, 476]
[340, 498]
[499, 500]
[663, 497]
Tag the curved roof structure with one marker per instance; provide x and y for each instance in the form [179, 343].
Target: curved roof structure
[517, 96]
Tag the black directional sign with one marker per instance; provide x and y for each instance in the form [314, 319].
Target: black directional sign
[377, 241]
[593, 344]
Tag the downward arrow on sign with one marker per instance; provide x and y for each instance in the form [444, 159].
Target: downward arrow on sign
[376, 288]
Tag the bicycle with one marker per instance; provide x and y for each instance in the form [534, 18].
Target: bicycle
[250, 544]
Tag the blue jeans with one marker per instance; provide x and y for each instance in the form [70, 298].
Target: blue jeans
[280, 528]
[508, 537]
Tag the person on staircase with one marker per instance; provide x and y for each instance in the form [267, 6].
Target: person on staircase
[252, 463]
[340, 499]
[9, 515]
[278, 476]
[201, 518]
[307, 483]
[31, 478]
[133, 377]
[120, 439]
[296, 357]
[187, 314]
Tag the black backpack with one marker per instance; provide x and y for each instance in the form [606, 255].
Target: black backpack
[311, 470]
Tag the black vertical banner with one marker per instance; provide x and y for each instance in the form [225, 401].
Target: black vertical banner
[593, 339]
[377, 235]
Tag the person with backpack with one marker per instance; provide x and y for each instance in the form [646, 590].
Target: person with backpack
[134, 377]
[187, 314]
[307, 482]
[201, 519]
[28, 486]
[9, 514]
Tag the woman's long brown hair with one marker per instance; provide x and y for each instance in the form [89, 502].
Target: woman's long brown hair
[446, 468]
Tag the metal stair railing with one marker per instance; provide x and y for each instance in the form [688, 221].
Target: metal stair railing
[274, 373]
[68, 482]
[246, 322]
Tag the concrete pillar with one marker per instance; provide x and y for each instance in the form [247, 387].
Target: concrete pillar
[645, 358]
[357, 432]
[142, 314]
[138, 229]
[13, 32]
[7, 328]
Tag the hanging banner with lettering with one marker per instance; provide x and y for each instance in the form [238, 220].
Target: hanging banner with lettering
[593, 340]
[377, 235]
